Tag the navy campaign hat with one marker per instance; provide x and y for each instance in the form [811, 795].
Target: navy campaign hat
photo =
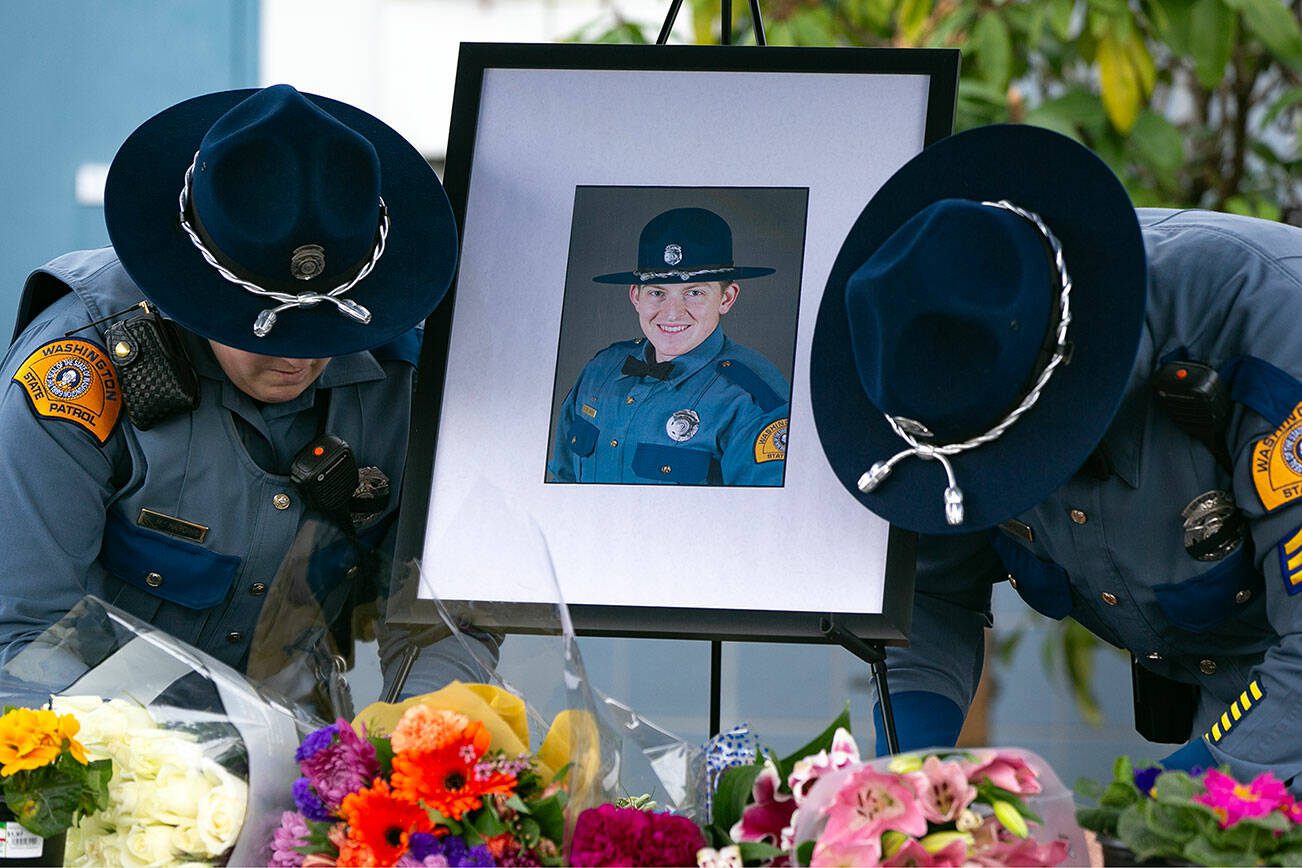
[281, 223]
[685, 245]
[978, 329]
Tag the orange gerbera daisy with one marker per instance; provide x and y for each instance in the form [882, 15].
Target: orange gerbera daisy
[380, 822]
[446, 779]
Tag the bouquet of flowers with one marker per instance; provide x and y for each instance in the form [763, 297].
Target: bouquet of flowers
[169, 799]
[198, 755]
[1207, 817]
[450, 781]
[824, 805]
[48, 780]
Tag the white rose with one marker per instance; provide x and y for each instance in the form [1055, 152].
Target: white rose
[186, 839]
[124, 796]
[176, 792]
[221, 812]
[148, 750]
[78, 704]
[150, 844]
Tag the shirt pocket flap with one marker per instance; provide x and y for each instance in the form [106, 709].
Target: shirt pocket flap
[671, 463]
[582, 437]
[177, 571]
[1207, 600]
[1044, 585]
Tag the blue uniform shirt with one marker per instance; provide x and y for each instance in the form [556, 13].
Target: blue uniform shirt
[1111, 552]
[719, 419]
[77, 509]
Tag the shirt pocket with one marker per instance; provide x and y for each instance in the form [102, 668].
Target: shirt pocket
[1209, 599]
[1044, 585]
[173, 570]
[672, 463]
[582, 437]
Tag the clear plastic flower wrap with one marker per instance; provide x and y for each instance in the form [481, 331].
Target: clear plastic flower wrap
[200, 754]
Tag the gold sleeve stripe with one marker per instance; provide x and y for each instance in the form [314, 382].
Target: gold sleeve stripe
[1255, 690]
[1245, 701]
[1216, 732]
[1222, 727]
[1294, 562]
[1234, 710]
[1294, 542]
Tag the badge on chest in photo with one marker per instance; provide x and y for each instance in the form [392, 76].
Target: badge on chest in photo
[1212, 526]
[682, 425]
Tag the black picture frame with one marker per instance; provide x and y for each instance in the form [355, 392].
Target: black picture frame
[889, 625]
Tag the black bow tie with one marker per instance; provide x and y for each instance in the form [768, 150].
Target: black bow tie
[635, 367]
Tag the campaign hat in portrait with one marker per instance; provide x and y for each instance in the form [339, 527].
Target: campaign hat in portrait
[685, 245]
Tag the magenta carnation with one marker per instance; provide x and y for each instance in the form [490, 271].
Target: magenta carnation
[346, 765]
[607, 835]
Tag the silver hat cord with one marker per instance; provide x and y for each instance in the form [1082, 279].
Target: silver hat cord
[909, 430]
[266, 319]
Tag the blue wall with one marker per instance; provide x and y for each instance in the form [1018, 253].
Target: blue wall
[78, 76]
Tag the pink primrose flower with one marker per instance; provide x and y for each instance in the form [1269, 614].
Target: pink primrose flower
[943, 789]
[1005, 770]
[1231, 801]
[769, 811]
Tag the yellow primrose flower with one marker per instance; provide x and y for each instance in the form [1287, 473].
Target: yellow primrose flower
[28, 740]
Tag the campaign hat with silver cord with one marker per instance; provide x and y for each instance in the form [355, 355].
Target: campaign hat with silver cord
[281, 223]
[978, 329]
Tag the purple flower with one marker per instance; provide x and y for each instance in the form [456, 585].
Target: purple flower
[291, 834]
[316, 741]
[309, 803]
[422, 844]
[344, 766]
[476, 856]
[1145, 778]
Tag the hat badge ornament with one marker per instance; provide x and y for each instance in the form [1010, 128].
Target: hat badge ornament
[305, 263]
[673, 254]
[913, 433]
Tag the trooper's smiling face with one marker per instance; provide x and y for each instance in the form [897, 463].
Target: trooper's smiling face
[677, 317]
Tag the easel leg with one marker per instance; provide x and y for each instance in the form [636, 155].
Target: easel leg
[875, 656]
[716, 684]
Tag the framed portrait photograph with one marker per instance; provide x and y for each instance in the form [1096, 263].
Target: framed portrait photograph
[614, 398]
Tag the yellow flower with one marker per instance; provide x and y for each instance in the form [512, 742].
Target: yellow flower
[31, 739]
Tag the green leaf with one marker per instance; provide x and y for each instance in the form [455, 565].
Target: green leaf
[992, 50]
[1287, 99]
[1060, 16]
[1275, 25]
[822, 741]
[1171, 21]
[383, 754]
[46, 809]
[1213, 30]
[550, 814]
[1159, 145]
[912, 16]
[1139, 835]
[1202, 852]
[753, 852]
[733, 794]
[804, 851]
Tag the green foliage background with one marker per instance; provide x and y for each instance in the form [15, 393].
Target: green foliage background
[1193, 103]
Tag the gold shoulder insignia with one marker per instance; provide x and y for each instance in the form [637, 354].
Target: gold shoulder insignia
[73, 380]
[1277, 463]
[1240, 707]
[771, 444]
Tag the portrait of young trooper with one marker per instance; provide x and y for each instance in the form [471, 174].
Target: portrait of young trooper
[273, 256]
[1097, 403]
[682, 404]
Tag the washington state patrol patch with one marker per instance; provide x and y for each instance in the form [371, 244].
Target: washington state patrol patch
[1290, 561]
[1277, 463]
[73, 380]
[771, 444]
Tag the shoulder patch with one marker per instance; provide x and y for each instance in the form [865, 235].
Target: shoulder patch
[73, 380]
[1277, 463]
[771, 444]
[750, 381]
[1290, 561]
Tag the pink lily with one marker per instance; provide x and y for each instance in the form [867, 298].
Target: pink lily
[843, 752]
[1005, 770]
[943, 789]
[769, 812]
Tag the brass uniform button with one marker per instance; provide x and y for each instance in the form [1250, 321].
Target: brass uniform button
[1109, 598]
[280, 501]
[1012, 580]
[122, 349]
[666, 469]
[234, 636]
[154, 580]
[1078, 516]
[628, 400]
[1243, 596]
[257, 589]
[1207, 667]
[1154, 656]
[614, 443]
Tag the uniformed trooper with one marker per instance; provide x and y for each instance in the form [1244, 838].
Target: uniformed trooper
[1102, 406]
[295, 244]
[684, 404]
